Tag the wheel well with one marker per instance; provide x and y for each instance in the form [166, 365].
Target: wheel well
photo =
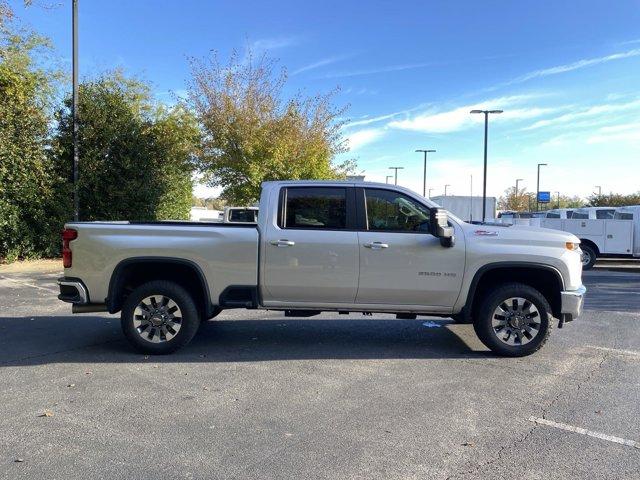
[130, 274]
[595, 248]
[546, 281]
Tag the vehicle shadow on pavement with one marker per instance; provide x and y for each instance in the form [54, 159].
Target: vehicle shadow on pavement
[44, 340]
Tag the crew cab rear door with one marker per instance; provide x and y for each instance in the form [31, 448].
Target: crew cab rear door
[400, 262]
[311, 250]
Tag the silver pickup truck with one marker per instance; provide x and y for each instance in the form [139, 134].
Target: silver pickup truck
[326, 246]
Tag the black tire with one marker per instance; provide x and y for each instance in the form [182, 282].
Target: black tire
[590, 254]
[484, 327]
[188, 324]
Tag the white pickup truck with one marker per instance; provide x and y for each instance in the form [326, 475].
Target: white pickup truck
[326, 246]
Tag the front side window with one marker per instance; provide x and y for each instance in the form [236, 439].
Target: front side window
[316, 208]
[580, 215]
[395, 212]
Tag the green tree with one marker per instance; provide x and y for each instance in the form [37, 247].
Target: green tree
[136, 156]
[614, 200]
[526, 201]
[252, 134]
[30, 214]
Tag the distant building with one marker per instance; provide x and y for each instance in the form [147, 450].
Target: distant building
[466, 207]
[203, 214]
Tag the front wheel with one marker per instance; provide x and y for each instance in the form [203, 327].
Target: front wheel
[514, 320]
[159, 317]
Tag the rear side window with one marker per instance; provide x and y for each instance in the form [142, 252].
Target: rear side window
[395, 212]
[580, 215]
[243, 215]
[623, 216]
[605, 214]
[553, 215]
[315, 208]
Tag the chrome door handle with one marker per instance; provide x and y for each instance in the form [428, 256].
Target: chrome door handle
[376, 245]
[282, 243]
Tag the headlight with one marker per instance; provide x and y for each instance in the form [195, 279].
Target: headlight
[572, 245]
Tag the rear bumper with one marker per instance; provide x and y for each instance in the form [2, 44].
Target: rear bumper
[72, 290]
[571, 303]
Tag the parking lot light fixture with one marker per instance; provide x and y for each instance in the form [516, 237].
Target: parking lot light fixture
[424, 174]
[484, 179]
[396, 173]
[515, 197]
[445, 189]
[538, 186]
[387, 179]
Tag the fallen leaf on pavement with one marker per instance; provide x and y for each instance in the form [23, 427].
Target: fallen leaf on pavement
[46, 413]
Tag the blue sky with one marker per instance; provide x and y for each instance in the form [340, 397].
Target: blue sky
[566, 74]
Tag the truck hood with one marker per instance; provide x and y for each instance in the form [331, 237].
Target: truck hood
[518, 234]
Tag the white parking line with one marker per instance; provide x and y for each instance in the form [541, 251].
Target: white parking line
[25, 284]
[615, 350]
[584, 431]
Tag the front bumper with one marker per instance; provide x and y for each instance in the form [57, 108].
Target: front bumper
[571, 303]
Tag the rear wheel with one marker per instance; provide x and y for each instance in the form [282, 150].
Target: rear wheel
[159, 317]
[588, 257]
[514, 320]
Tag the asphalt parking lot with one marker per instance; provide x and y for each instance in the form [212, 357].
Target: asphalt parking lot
[257, 395]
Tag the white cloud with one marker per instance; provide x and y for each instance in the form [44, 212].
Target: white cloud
[459, 118]
[391, 68]
[628, 132]
[587, 62]
[361, 138]
[263, 44]
[593, 111]
[320, 63]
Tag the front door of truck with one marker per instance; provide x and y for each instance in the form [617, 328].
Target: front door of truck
[400, 263]
[311, 253]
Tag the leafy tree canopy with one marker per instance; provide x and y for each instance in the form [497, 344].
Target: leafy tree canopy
[136, 156]
[252, 134]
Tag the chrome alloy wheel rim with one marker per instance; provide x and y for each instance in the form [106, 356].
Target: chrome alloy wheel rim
[516, 321]
[157, 319]
[585, 257]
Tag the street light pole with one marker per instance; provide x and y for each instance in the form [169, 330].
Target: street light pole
[558, 202]
[74, 109]
[430, 192]
[445, 189]
[387, 179]
[396, 173]
[518, 180]
[424, 173]
[484, 180]
[599, 189]
[538, 187]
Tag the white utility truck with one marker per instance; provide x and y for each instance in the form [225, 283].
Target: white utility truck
[603, 231]
[326, 246]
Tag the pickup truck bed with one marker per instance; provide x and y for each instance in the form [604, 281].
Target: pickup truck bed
[218, 251]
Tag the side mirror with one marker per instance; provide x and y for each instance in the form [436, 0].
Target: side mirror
[439, 227]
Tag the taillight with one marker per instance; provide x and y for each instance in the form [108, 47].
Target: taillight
[68, 234]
